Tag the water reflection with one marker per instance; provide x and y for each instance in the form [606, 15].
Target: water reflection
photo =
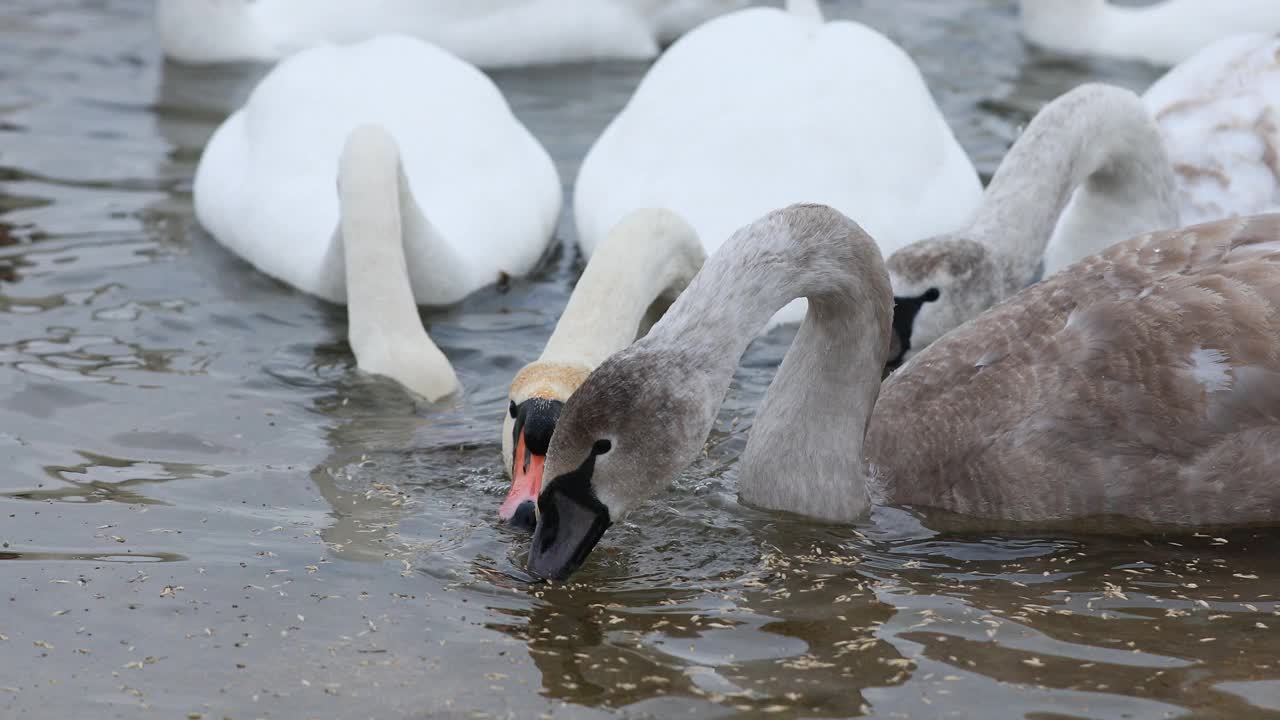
[93, 557]
[101, 478]
[67, 355]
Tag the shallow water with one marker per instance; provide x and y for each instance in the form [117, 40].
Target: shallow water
[207, 512]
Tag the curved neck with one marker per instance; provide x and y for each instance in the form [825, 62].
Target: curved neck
[384, 329]
[1097, 141]
[804, 454]
[650, 256]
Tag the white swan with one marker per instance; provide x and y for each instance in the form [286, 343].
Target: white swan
[493, 33]
[1141, 384]
[445, 194]
[1097, 141]
[764, 107]
[1164, 33]
[639, 269]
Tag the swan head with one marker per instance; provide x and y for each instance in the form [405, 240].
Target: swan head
[939, 284]
[535, 399]
[620, 440]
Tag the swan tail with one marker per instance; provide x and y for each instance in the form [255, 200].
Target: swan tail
[808, 9]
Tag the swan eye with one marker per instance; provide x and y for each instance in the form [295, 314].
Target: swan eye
[601, 447]
[512, 409]
[931, 294]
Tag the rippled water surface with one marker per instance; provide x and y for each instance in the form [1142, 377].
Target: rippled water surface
[205, 511]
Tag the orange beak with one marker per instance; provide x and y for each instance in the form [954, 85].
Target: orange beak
[526, 482]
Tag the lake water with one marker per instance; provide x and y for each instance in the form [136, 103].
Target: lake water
[206, 512]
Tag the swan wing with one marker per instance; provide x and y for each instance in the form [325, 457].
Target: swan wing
[1143, 382]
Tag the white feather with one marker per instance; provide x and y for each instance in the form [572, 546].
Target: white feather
[492, 33]
[1162, 33]
[760, 109]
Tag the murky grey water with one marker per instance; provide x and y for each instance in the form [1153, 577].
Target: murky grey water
[206, 512]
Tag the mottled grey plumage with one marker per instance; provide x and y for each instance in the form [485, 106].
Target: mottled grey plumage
[1142, 383]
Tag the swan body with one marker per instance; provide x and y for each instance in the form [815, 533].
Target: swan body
[1096, 141]
[474, 194]
[1164, 33]
[640, 268]
[1142, 383]
[494, 33]
[1220, 114]
[765, 107]
[1139, 383]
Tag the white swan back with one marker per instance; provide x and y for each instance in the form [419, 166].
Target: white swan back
[1162, 33]
[492, 33]
[266, 184]
[761, 109]
[1220, 115]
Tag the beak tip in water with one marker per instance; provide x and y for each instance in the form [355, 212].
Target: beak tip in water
[524, 517]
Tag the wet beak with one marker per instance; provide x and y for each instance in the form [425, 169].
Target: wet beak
[567, 531]
[535, 421]
[571, 520]
[526, 483]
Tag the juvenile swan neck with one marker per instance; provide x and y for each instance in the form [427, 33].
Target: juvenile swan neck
[650, 255]
[1097, 138]
[384, 329]
[804, 454]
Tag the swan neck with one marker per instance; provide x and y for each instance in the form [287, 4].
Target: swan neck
[804, 452]
[650, 256]
[384, 329]
[1097, 141]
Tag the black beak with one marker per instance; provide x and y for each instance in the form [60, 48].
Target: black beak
[905, 310]
[571, 520]
[536, 419]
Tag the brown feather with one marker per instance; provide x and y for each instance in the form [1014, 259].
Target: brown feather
[1143, 383]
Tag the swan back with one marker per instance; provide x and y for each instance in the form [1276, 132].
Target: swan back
[763, 108]
[1220, 114]
[1143, 382]
[493, 33]
[1162, 33]
[266, 183]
